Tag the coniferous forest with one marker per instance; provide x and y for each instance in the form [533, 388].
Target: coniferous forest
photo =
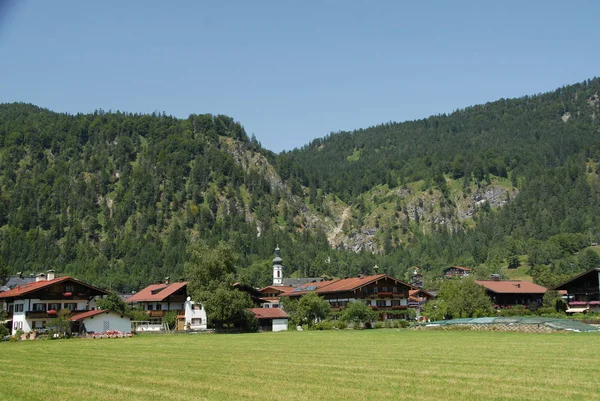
[115, 198]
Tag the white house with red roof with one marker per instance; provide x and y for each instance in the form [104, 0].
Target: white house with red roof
[271, 319]
[100, 321]
[158, 299]
[34, 306]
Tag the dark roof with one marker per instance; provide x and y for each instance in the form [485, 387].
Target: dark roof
[512, 287]
[20, 291]
[465, 269]
[560, 286]
[156, 292]
[269, 313]
[415, 292]
[16, 280]
[297, 282]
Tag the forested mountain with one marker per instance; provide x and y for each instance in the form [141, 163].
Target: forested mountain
[115, 198]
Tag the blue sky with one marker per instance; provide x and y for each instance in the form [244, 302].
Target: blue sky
[292, 71]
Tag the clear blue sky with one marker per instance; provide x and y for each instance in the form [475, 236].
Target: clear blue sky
[292, 71]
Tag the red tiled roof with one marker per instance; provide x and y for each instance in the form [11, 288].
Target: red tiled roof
[83, 315]
[340, 285]
[512, 287]
[156, 292]
[38, 285]
[269, 313]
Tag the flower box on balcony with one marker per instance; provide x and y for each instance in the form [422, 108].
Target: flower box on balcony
[594, 303]
[577, 303]
[399, 307]
[67, 294]
[373, 307]
[52, 312]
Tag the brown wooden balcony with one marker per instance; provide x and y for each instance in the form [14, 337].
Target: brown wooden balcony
[161, 313]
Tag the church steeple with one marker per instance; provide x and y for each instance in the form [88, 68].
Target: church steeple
[277, 268]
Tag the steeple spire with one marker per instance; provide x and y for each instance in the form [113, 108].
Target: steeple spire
[277, 268]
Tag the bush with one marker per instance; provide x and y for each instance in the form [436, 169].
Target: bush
[379, 325]
[338, 324]
[323, 325]
[402, 324]
[517, 310]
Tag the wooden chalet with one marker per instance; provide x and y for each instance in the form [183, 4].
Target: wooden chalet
[382, 292]
[513, 292]
[456, 271]
[34, 306]
[583, 291]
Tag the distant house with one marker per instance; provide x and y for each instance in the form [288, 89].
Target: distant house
[416, 280]
[100, 321]
[583, 291]
[158, 299]
[380, 291]
[35, 305]
[456, 271]
[513, 292]
[272, 295]
[271, 319]
[417, 298]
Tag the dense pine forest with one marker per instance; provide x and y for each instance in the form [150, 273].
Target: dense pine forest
[115, 198]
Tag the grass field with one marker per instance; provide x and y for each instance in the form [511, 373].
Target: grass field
[347, 365]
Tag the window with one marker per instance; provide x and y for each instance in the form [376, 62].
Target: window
[39, 307]
[53, 306]
[275, 305]
[150, 307]
[68, 288]
[375, 290]
[384, 289]
[11, 308]
[18, 307]
[366, 290]
[71, 306]
[381, 302]
[395, 302]
[197, 307]
[196, 321]
[394, 289]
[278, 274]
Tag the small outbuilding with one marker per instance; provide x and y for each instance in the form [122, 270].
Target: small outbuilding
[101, 321]
[271, 319]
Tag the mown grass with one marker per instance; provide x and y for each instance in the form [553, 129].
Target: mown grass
[347, 365]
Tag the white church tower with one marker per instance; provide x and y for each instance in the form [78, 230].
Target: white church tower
[277, 268]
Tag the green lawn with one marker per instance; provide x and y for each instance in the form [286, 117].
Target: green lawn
[346, 365]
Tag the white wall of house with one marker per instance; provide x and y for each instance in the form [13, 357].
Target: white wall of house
[107, 321]
[27, 324]
[195, 315]
[280, 324]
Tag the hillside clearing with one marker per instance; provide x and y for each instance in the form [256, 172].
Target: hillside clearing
[377, 364]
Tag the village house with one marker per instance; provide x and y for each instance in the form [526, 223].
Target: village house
[418, 298]
[158, 299]
[456, 271]
[583, 291]
[512, 292]
[271, 319]
[380, 291]
[35, 305]
[100, 321]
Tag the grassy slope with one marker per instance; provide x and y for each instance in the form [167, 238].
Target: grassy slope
[382, 364]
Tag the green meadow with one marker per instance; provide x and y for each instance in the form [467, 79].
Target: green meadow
[333, 365]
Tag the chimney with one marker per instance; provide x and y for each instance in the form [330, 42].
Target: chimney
[40, 277]
[50, 275]
[495, 277]
[167, 280]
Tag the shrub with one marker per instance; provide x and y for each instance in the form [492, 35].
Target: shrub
[403, 324]
[378, 325]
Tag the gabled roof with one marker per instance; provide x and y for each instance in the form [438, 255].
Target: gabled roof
[512, 287]
[415, 292]
[269, 313]
[280, 288]
[341, 285]
[156, 292]
[465, 269]
[560, 286]
[30, 288]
